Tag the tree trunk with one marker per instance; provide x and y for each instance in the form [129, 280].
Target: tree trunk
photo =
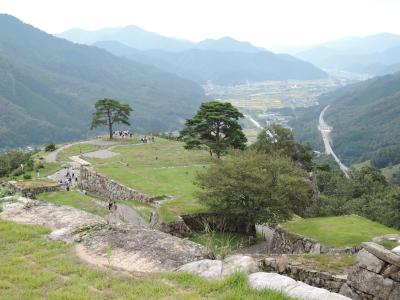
[110, 130]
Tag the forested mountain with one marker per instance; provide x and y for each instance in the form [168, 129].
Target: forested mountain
[48, 87]
[365, 119]
[230, 67]
[138, 38]
[376, 54]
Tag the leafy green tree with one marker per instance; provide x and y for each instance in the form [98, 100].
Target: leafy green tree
[253, 189]
[109, 112]
[276, 139]
[215, 127]
[50, 147]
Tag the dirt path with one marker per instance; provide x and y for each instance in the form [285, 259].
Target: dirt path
[124, 214]
[52, 156]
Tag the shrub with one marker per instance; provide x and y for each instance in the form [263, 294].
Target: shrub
[27, 176]
[50, 147]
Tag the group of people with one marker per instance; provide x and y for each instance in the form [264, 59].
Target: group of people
[123, 133]
[146, 139]
[70, 178]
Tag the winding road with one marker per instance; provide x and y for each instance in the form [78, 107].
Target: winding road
[325, 130]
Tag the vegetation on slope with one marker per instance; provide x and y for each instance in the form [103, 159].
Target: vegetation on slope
[48, 86]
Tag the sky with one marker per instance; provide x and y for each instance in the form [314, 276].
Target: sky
[265, 23]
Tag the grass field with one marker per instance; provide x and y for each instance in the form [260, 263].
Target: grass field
[163, 168]
[74, 199]
[32, 268]
[338, 231]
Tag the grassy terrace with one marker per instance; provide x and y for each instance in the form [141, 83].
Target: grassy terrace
[338, 231]
[163, 168]
[32, 268]
[74, 199]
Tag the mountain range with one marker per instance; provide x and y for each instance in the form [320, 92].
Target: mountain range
[221, 61]
[48, 87]
[377, 54]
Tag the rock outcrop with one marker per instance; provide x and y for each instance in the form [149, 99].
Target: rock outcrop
[128, 248]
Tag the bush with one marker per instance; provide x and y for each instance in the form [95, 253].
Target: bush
[11, 163]
[50, 147]
[27, 176]
[253, 188]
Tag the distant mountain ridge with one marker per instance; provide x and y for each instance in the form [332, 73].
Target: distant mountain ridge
[221, 61]
[48, 87]
[376, 54]
[220, 67]
[138, 38]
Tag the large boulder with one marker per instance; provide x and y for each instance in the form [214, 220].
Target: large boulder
[220, 269]
[206, 268]
[369, 261]
[291, 287]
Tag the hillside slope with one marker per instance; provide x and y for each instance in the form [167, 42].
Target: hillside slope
[365, 119]
[48, 87]
[231, 67]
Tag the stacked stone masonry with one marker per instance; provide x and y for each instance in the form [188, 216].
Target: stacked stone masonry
[376, 275]
[94, 182]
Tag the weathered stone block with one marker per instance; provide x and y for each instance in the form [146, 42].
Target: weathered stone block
[382, 253]
[370, 283]
[369, 261]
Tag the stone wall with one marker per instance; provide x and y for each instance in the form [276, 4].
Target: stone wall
[94, 182]
[281, 241]
[376, 275]
[325, 280]
[31, 192]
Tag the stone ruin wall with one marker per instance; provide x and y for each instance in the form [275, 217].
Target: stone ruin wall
[376, 275]
[281, 241]
[31, 192]
[94, 182]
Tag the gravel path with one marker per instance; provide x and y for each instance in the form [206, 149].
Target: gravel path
[103, 153]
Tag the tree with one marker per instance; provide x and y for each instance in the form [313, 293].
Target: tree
[110, 111]
[214, 127]
[276, 139]
[249, 187]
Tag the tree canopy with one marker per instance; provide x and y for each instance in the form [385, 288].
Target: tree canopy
[215, 127]
[276, 139]
[253, 188]
[109, 112]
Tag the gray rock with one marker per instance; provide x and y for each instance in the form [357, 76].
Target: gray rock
[345, 290]
[395, 293]
[369, 261]
[382, 253]
[240, 263]
[206, 268]
[63, 234]
[277, 282]
[370, 283]
[291, 287]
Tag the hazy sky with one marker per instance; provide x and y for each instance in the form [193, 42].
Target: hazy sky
[262, 22]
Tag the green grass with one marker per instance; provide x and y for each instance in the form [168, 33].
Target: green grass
[74, 199]
[329, 263]
[389, 244]
[162, 168]
[338, 231]
[33, 268]
[221, 244]
[76, 150]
